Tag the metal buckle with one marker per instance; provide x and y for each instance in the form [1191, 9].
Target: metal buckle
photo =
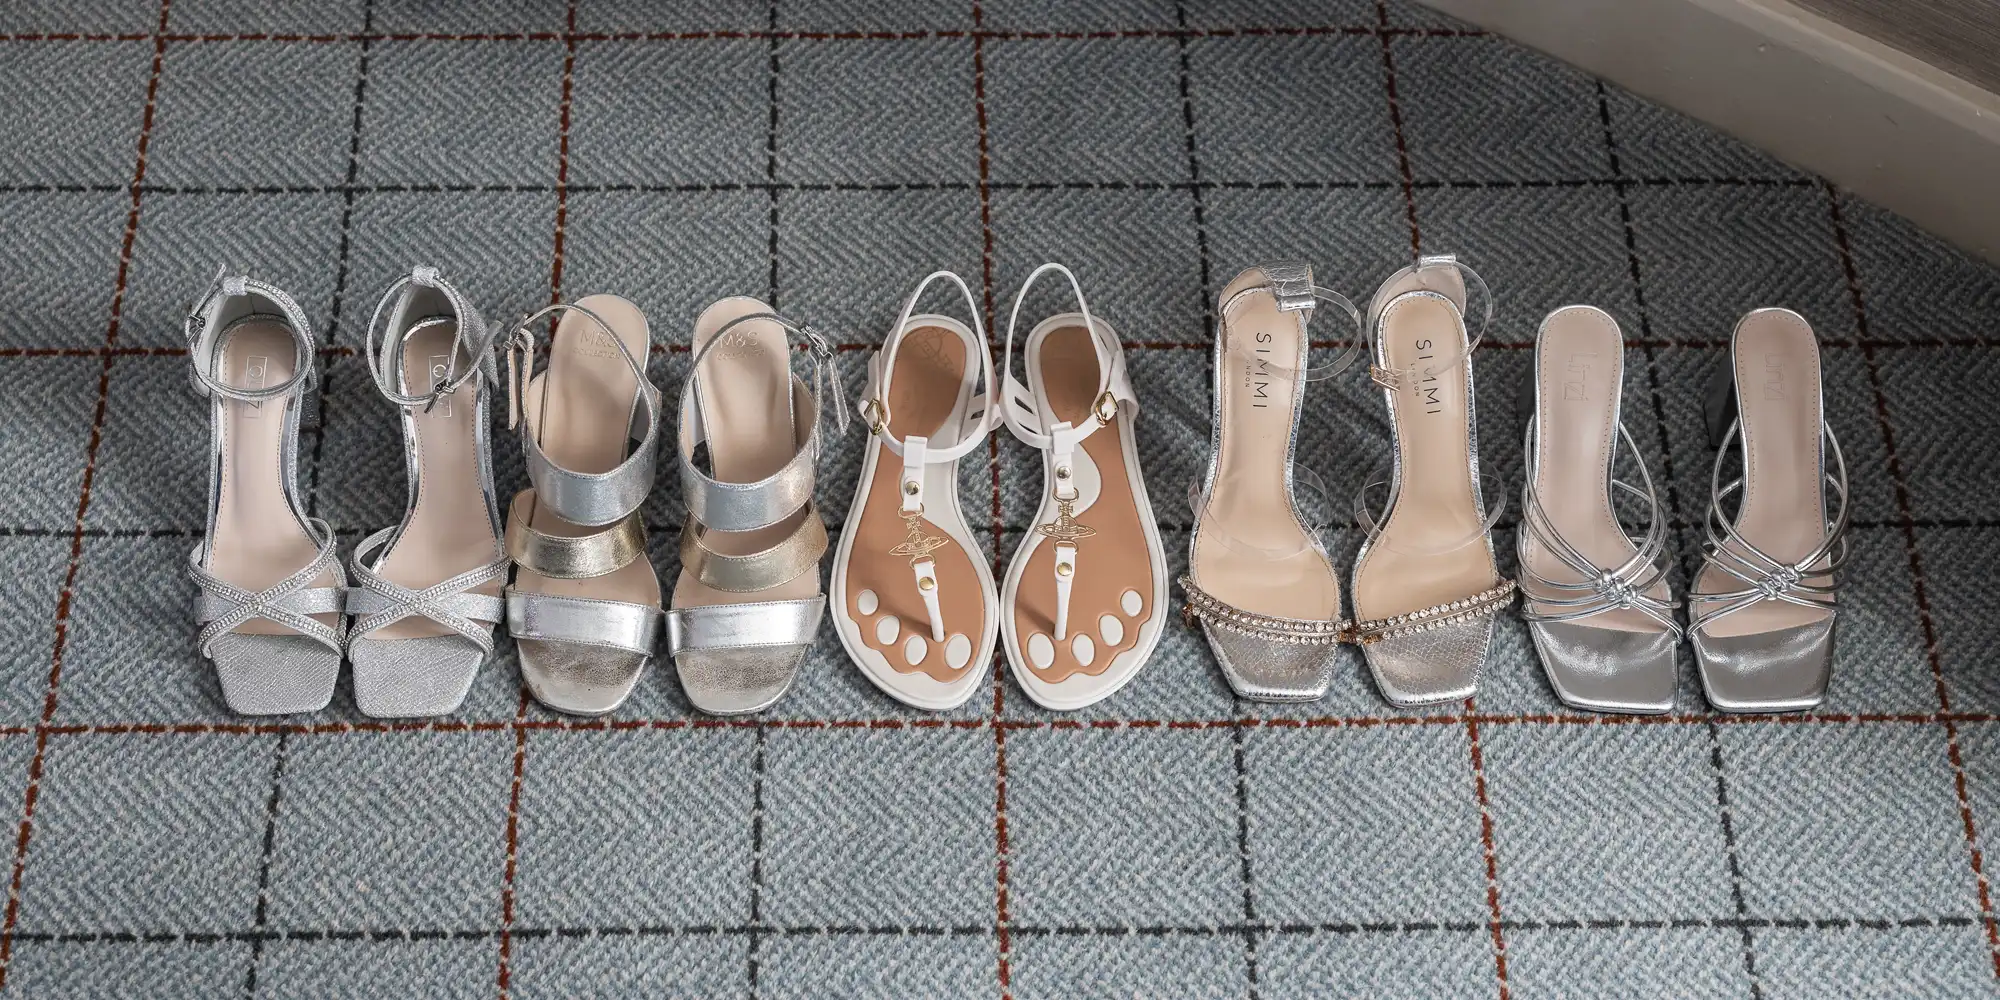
[1106, 409]
[877, 415]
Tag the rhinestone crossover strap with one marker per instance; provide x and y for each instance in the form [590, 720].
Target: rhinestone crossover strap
[223, 606]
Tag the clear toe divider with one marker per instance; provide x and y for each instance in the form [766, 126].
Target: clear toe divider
[1311, 500]
[1444, 275]
[1373, 520]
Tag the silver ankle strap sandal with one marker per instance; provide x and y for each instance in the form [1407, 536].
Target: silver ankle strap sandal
[748, 602]
[584, 607]
[270, 579]
[427, 590]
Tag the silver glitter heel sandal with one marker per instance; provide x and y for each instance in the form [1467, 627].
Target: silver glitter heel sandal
[270, 579]
[427, 590]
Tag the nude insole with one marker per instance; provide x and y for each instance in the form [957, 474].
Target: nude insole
[1782, 512]
[1064, 371]
[1579, 372]
[926, 389]
[744, 391]
[448, 531]
[1429, 551]
[258, 540]
[583, 406]
[1251, 551]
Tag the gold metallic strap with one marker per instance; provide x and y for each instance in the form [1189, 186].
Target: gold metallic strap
[572, 557]
[742, 574]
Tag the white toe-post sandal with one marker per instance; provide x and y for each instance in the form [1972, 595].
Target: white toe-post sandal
[913, 598]
[1085, 598]
[748, 604]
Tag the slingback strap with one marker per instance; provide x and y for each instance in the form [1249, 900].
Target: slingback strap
[1114, 388]
[223, 606]
[377, 602]
[204, 325]
[1460, 299]
[734, 626]
[1206, 609]
[472, 354]
[572, 557]
[1290, 284]
[796, 555]
[1624, 587]
[1767, 577]
[1437, 616]
[583, 621]
[726, 506]
[874, 407]
[589, 499]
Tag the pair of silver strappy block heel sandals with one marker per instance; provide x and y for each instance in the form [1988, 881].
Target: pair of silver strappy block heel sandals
[1762, 606]
[1427, 590]
[585, 605]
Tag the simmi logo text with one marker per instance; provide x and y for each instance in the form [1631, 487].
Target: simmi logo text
[1257, 374]
[1428, 387]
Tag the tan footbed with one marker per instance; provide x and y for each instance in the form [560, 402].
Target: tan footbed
[447, 532]
[923, 390]
[582, 406]
[745, 392]
[1580, 367]
[1064, 371]
[1778, 390]
[258, 540]
[1252, 553]
[1405, 569]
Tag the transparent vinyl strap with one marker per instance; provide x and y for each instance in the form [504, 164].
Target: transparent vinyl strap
[1345, 352]
[1311, 502]
[1438, 274]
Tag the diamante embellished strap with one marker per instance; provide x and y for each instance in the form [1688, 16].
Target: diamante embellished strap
[224, 606]
[1201, 606]
[1436, 616]
[376, 602]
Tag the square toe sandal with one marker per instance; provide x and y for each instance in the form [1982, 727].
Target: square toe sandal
[584, 607]
[269, 574]
[912, 597]
[1595, 598]
[1761, 610]
[427, 591]
[1426, 589]
[747, 604]
[1085, 598]
[1259, 580]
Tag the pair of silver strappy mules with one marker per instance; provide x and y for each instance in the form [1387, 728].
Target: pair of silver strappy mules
[584, 606]
[1597, 599]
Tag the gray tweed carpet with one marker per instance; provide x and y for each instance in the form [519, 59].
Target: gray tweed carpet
[1171, 842]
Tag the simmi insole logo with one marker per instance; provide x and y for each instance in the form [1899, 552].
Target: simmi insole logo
[1428, 390]
[440, 369]
[1258, 374]
[256, 373]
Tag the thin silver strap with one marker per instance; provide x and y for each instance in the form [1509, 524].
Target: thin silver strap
[377, 602]
[203, 328]
[473, 341]
[224, 606]
[1768, 578]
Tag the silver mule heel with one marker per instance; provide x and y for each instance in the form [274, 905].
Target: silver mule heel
[584, 606]
[427, 590]
[1762, 606]
[1260, 583]
[748, 605]
[1426, 587]
[269, 573]
[1596, 600]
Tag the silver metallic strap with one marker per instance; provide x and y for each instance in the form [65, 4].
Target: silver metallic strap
[750, 572]
[733, 626]
[223, 606]
[726, 506]
[585, 622]
[1769, 578]
[203, 328]
[572, 557]
[590, 499]
[473, 340]
[376, 602]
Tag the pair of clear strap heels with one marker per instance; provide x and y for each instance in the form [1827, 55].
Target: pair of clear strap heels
[1427, 589]
[584, 606]
[1596, 597]
[1082, 604]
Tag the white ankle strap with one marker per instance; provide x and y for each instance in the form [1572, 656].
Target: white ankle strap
[1114, 391]
[874, 406]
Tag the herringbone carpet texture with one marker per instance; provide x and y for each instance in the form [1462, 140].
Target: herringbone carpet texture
[1171, 842]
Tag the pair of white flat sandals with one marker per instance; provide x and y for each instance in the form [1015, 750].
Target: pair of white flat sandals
[1084, 599]
[584, 607]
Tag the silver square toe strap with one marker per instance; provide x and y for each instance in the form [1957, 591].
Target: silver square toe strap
[734, 626]
[750, 572]
[376, 602]
[726, 506]
[583, 621]
[590, 499]
[223, 606]
[572, 557]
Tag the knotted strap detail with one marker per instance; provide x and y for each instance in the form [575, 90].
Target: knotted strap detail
[223, 606]
[377, 602]
[1767, 577]
[1624, 587]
